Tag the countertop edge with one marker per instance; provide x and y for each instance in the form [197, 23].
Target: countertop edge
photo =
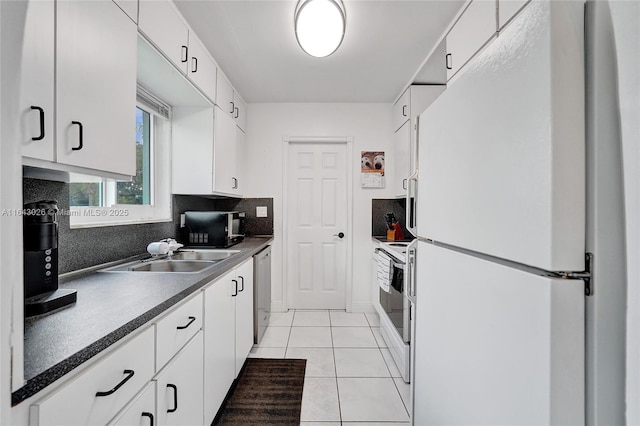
[66, 366]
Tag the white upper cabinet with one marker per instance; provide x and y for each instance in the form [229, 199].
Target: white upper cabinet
[507, 9]
[37, 82]
[202, 68]
[476, 26]
[96, 47]
[224, 94]
[130, 7]
[401, 144]
[225, 179]
[163, 25]
[241, 160]
[240, 111]
[230, 101]
[402, 110]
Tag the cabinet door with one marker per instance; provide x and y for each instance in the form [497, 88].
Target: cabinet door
[192, 148]
[36, 84]
[96, 86]
[474, 28]
[507, 9]
[401, 142]
[219, 343]
[126, 369]
[141, 411]
[224, 153]
[164, 27]
[401, 110]
[240, 113]
[202, 69]
[224, 94]
[130, 7]
[175, 329]
[179, 387]
[241, 158]
[244, 313]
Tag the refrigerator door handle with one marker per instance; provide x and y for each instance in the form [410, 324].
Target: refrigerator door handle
[412, 204]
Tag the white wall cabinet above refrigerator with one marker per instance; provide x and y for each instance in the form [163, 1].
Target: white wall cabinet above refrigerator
[474, 28]
[95, 94]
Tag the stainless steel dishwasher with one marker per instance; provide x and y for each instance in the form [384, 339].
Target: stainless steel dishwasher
[261, 292]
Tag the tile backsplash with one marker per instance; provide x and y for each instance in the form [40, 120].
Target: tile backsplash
[379, 207]
[85, 247]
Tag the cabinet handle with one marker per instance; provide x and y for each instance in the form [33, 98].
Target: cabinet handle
[236, 284]
[150, 415]
[404, 110]
[242, 278]
[194, 64]
[185, 54]
[237, 112]
[235, 183]
[175, 398]
[448, 61]
[80, 136]
[233, 107]
[129, 374]
[191, 320]
[404, 183]
[41, 111]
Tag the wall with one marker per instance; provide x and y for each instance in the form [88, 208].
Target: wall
[370, 126]
[85, 247]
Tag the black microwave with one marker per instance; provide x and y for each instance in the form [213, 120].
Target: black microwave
[213, 229]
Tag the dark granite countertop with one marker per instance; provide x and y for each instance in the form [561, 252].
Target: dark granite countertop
[110, 306]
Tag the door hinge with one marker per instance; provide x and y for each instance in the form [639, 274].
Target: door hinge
[585, 275]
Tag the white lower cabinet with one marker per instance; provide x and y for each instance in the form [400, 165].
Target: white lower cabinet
[244, 313]
[96, 395]
[219, 344]
[179, 395]
[228, 333]
[175, 329]
[139, 412]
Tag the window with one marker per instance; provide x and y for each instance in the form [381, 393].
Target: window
[97, 201]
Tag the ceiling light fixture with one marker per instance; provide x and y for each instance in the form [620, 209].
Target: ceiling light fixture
[319, 26]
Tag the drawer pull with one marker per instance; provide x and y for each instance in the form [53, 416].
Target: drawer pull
[129, 374]
[242, 278]
[175, 398]
[191, 320]
[236, 288]
[150, 415]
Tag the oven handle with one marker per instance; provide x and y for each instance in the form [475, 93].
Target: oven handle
[411, 270]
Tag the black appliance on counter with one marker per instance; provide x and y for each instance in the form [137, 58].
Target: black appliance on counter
[213, 229]
[40, 239]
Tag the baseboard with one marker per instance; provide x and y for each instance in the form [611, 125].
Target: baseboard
[362, 307]
[277, 307]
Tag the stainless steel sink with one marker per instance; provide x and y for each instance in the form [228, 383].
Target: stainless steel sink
[211, 255]
[162, 265]
[184, 261]
[172, 266]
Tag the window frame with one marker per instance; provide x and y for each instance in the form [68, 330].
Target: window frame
[160, 209]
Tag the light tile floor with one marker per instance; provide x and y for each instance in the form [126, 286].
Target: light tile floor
[350, 375]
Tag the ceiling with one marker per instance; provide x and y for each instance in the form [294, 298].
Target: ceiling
[385, 44]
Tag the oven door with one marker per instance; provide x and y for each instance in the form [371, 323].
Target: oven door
[395, 303]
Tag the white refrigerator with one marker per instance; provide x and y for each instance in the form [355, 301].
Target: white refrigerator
[500, 216]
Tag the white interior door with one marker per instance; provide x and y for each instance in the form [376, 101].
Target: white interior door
[317, 211]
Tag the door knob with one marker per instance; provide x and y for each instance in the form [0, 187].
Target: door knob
[339, 235]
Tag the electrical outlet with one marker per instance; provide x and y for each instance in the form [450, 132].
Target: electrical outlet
[261, 211]
[182, 220]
